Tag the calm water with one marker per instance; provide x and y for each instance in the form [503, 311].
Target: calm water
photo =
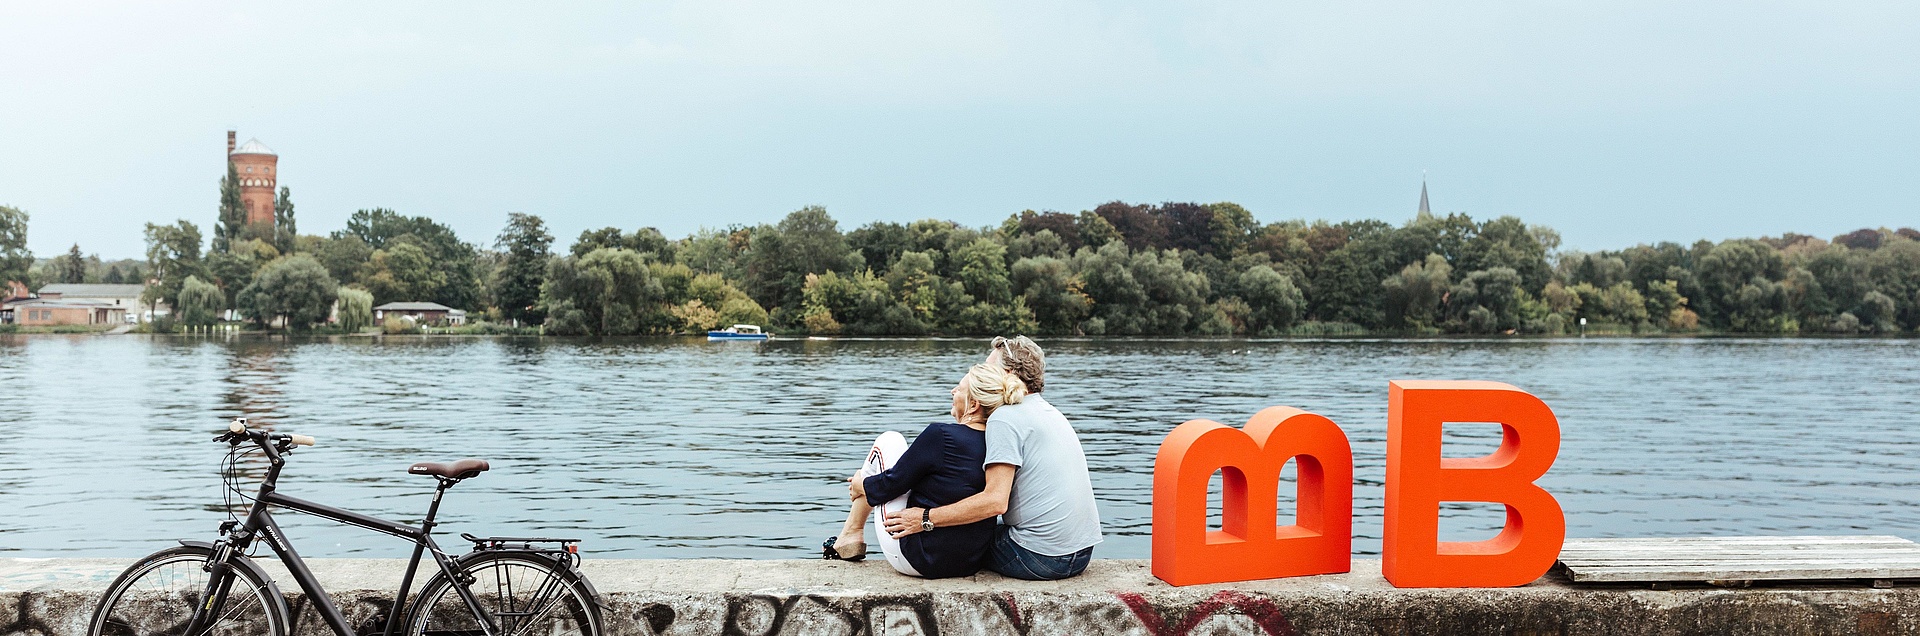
[680, 448]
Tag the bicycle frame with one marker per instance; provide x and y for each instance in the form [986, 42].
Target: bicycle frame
[259, 521]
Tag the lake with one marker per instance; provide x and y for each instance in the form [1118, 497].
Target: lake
[678, 448]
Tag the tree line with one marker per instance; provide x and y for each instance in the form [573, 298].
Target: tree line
[1118, 269]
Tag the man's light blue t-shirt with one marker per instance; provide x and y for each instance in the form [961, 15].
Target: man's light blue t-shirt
[1051, 510]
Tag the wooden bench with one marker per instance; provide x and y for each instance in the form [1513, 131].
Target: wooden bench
[1739, 561]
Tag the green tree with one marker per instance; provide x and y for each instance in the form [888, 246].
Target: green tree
[344, 256]
[1042, 243]
[200, 303]
[1414, 295]
[915, 282]
[286, 231]
[1508, 242]
[1489, 301]
[402, 271]
[982, 271]
[1346, 283]
[716, 251]
[1759, 306]
[459, 282]
[356, 309]
[232, 221]
[1233, 229]
[1052, 292]
[1096, 230]
[516, 285]
[1878, 311]
[15, 258]
[881, 243]
[590, 240]
[295, 289]
[1273, 301]
[1144, 292]
[234, 269]
[1667, 307]
[607, 292]
[173, 255]
[1894, 269]
[1623, 304]
[71, 268]
[650, 242]
[1739, 291]
[727, 304]
[807, 241]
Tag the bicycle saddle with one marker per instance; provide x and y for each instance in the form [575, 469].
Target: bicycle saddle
[462, 469]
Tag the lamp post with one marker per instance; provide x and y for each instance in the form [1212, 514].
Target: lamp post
[1583, 327]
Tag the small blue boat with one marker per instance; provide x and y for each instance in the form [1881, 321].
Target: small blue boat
[738, 332]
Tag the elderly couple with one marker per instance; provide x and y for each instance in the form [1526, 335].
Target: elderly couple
[1007, 454]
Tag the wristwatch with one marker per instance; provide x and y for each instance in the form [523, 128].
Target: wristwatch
[926, 520]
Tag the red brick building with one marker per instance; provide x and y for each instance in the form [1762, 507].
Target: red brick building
[255, 164]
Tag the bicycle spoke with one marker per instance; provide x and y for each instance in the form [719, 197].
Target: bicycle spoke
[236, 609]
[161, 599]
[531, 598]
[547, 598]
[545, 609]
[505, 598]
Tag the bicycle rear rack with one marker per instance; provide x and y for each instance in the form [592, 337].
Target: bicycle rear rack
[522, 544]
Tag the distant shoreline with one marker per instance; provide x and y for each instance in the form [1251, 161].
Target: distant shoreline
[375, 336]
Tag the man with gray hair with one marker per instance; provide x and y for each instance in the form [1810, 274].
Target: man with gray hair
[1037, 483]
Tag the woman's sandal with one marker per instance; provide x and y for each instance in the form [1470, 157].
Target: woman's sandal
[852, 552]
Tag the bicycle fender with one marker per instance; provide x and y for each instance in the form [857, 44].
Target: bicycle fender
[245, 562]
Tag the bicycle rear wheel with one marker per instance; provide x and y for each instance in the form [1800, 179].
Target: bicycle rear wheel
[526, 594]
[157, 595]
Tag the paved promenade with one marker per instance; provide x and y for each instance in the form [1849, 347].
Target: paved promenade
[54, 597]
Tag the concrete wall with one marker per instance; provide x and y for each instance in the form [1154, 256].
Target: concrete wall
[52, 597]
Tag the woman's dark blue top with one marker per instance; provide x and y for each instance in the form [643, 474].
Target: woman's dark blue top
[944, 465]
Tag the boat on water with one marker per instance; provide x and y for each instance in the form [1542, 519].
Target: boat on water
[738, 332]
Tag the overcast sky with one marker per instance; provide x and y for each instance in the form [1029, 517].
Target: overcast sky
[1615, 122]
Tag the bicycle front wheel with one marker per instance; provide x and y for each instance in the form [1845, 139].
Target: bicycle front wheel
[157, 596]
[525, 594]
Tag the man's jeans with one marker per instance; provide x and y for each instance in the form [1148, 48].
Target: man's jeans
[1009, 559]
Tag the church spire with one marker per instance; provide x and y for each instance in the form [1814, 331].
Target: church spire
[1424, 210]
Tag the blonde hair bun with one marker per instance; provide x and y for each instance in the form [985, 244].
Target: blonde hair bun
[992, 386]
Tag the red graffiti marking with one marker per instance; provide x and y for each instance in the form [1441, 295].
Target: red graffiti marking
[1263, 612]
[1013, 612]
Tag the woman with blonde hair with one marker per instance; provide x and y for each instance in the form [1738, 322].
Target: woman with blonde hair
[945, 464]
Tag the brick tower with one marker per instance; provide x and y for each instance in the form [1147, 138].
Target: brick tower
[254, 162]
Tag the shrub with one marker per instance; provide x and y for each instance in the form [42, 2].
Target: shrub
[399, 325]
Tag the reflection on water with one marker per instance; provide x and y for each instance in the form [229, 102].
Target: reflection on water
[681, 448]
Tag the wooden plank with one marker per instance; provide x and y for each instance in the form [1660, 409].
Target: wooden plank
[1670, 559]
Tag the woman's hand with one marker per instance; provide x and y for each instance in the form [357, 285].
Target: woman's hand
[856, 487]
[903, 523]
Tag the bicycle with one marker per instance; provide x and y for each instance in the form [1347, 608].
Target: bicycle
[189, 590]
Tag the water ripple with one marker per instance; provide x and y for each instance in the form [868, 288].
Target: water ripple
[680, 448]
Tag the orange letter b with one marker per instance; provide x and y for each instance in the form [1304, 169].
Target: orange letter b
[1250, 545]
[1418, 479]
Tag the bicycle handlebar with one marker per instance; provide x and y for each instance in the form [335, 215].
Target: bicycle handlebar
[238, 430]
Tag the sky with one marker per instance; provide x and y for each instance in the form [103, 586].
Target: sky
[1615, 123]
